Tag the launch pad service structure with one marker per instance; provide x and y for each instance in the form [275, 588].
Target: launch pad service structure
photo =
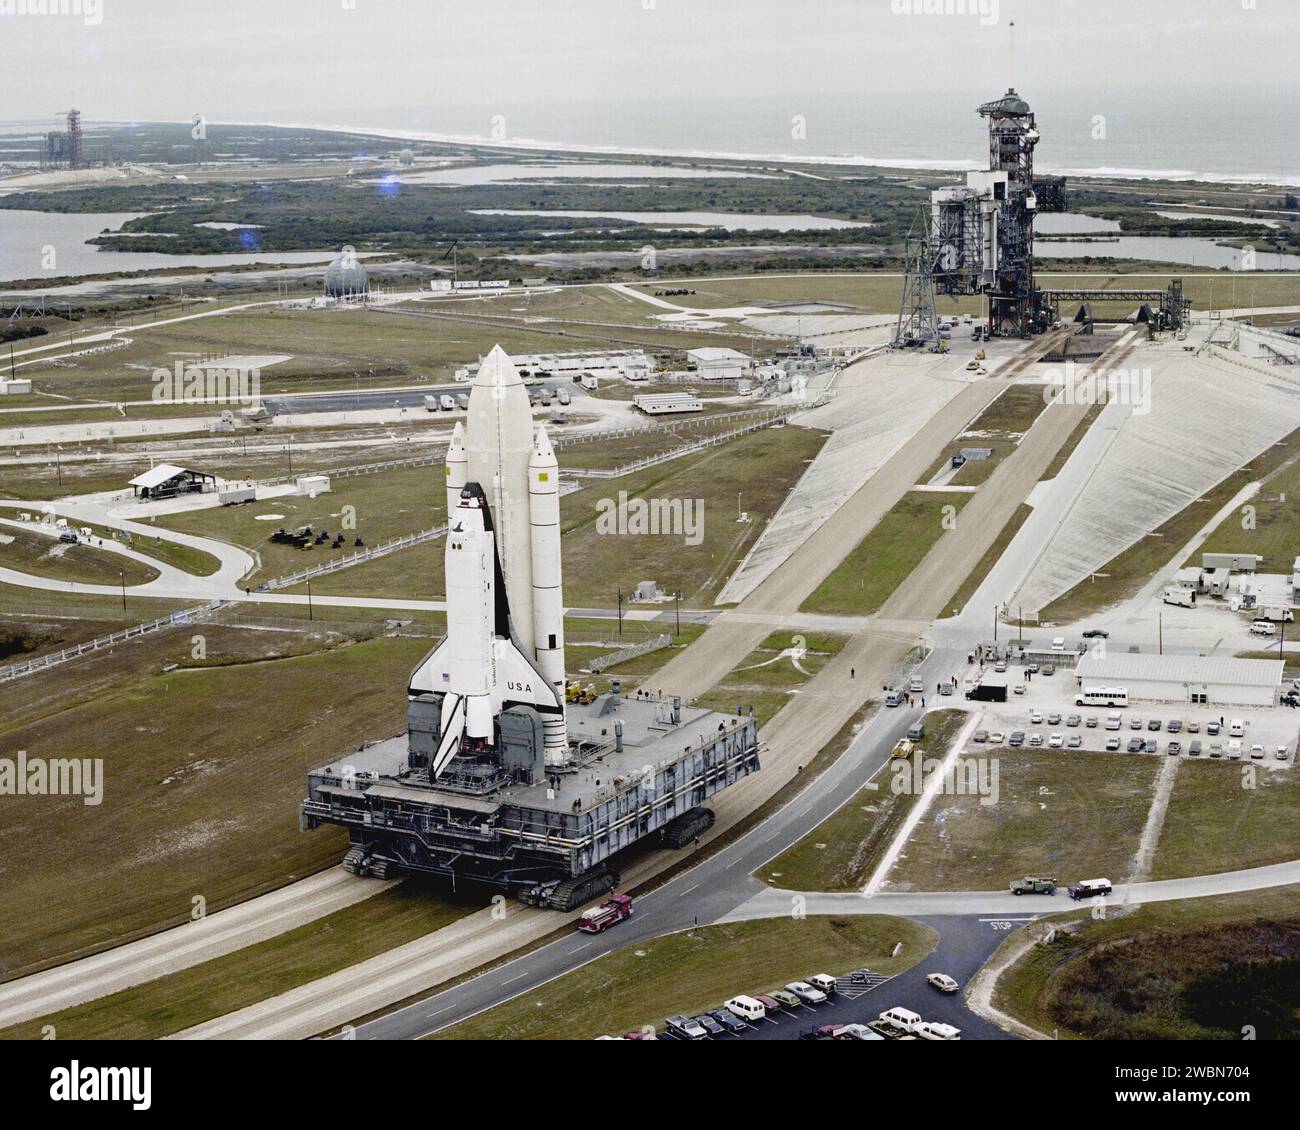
[500, 780]
[977, 238]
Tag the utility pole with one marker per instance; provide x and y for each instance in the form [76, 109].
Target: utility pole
[995, 624]
[310, 612]
[121, 577]
[620, 611]
[678, 598]
[1160, 635]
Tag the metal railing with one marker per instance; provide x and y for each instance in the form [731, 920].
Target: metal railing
[776, 417]
[184, 616]
[656, 643]
[334, 565]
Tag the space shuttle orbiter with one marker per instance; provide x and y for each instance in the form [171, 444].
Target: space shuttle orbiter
[505, 612]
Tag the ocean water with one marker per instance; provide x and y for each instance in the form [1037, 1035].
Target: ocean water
[1240, 133]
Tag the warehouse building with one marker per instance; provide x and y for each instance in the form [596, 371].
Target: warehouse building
[1220, 680]
[715, 364]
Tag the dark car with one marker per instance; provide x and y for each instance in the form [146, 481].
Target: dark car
[1135, 745]
[728, 1019]
[1175, 726]
[711, 1026]
[1096, 634]
[1194, 748]
[1154, 724]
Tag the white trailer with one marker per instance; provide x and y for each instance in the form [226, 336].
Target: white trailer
[1276, 613]
[1183, 597]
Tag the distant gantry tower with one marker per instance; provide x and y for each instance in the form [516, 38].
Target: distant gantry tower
[981, 234]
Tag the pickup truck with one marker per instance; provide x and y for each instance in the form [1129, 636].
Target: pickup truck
[1033, 885]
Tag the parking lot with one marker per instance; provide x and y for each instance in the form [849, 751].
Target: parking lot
[1047, 716]
[964, 944]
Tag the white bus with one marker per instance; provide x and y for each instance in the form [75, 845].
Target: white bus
[1102, 696]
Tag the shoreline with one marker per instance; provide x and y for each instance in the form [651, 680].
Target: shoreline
[534, 145]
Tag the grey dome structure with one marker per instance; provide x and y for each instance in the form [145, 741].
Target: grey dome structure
[345, 277]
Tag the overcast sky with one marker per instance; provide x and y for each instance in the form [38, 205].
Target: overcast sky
[330, 61]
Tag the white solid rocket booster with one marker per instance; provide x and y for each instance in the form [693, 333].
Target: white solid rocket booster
[548, 597]
[456, 469]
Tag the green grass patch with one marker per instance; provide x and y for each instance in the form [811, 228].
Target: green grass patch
[226, 984]
[991, 557]
[1069, 813]
[1187, 969]
[843, 851]
[1225, 817]
[882, 560]
[200, 797]
[41, 555]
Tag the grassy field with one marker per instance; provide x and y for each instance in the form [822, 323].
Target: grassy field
[1186, 969]
[1221, 818]
[860, 292]
[585, 640]
[226, 984]
[841, 853]
[976, 576]
[863, 581]
[43, 556]
[999, 427]
[767, 677]
[755, 471]
[1067, 813]
[1067, 448]
[1129, 570]
[198, 800]
[183, 557]
[376, 507]
[1275, 531]
[365, 348]
[688, 973]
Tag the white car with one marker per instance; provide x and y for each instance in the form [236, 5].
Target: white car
[1056, 741]
[1257, 752]
[943, 982]
[805, 992]
[857, 1032]
[1036, 717]
[1035, 738]
[933, 1030]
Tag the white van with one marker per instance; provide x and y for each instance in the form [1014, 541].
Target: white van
[1236, 728]
[823, 982]
[1234, 749]
[905, 1018]
[1262, 628]
[747, 1008]
[1113, 720]
[934, 1030]
[1058, 644]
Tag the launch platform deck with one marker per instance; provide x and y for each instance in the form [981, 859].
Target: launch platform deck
[666, 762]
